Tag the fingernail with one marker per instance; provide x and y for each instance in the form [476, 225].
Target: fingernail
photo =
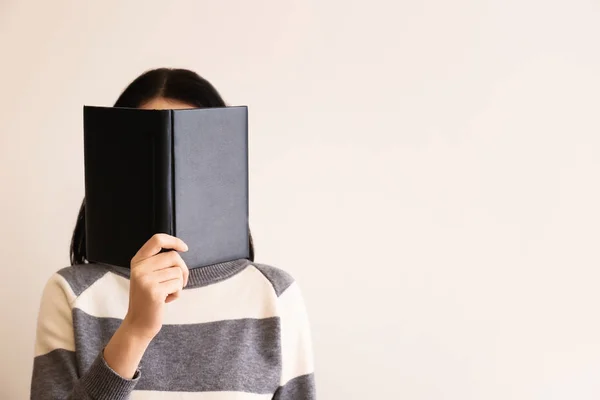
[185, 247]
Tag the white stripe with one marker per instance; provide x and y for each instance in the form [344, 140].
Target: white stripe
[245, 295]
[296, 343]
[152, 395]
[55, 320]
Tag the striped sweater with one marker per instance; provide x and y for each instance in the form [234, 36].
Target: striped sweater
[238, 331]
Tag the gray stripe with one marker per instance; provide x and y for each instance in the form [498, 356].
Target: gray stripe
[54, 374]
[81, 277]
[233, 355]
[302, 387]
[280, 280]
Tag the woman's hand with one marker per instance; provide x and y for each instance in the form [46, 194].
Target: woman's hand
[156, 279]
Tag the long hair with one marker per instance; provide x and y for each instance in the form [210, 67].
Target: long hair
[174, 84]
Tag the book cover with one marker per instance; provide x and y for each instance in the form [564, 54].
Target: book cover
[181, 172]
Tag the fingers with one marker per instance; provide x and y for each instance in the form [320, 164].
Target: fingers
[171, 288]
[168, 260]
[164, 273]
[169, 274]
[161, 261]
[173, 297]
[156, 243]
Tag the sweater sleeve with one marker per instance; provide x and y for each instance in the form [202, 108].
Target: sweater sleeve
[55, 371]
[297, 373]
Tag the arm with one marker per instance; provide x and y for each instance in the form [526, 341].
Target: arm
[297, 373]
[156, 279]
[55, 371]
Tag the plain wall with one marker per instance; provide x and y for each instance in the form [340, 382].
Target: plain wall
[427, 170]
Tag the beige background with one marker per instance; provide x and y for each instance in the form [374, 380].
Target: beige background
[427, 170]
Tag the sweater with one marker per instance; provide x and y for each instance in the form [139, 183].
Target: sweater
[238, 331]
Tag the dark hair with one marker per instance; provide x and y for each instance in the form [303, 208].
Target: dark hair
[175, 84]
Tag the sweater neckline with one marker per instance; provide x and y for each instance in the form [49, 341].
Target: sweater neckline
[203, 276]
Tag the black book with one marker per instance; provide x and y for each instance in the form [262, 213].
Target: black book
[181, 172]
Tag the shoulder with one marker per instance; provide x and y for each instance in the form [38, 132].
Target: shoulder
[80, 277]
[279, 279]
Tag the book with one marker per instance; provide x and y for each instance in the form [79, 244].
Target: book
[181, 172]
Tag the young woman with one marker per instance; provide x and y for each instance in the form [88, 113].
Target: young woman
[156, 330]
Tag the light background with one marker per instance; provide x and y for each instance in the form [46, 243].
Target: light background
[427, 170]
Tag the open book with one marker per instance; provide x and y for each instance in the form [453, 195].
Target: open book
[181, 172]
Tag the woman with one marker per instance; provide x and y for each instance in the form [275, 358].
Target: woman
[235, 330]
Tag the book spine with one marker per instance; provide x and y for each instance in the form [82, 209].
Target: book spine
[163, 175]
[172, 218]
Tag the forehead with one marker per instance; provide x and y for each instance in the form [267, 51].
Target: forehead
[161, 103]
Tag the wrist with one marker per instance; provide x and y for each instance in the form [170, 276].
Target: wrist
[125, 350]
[134, 334]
